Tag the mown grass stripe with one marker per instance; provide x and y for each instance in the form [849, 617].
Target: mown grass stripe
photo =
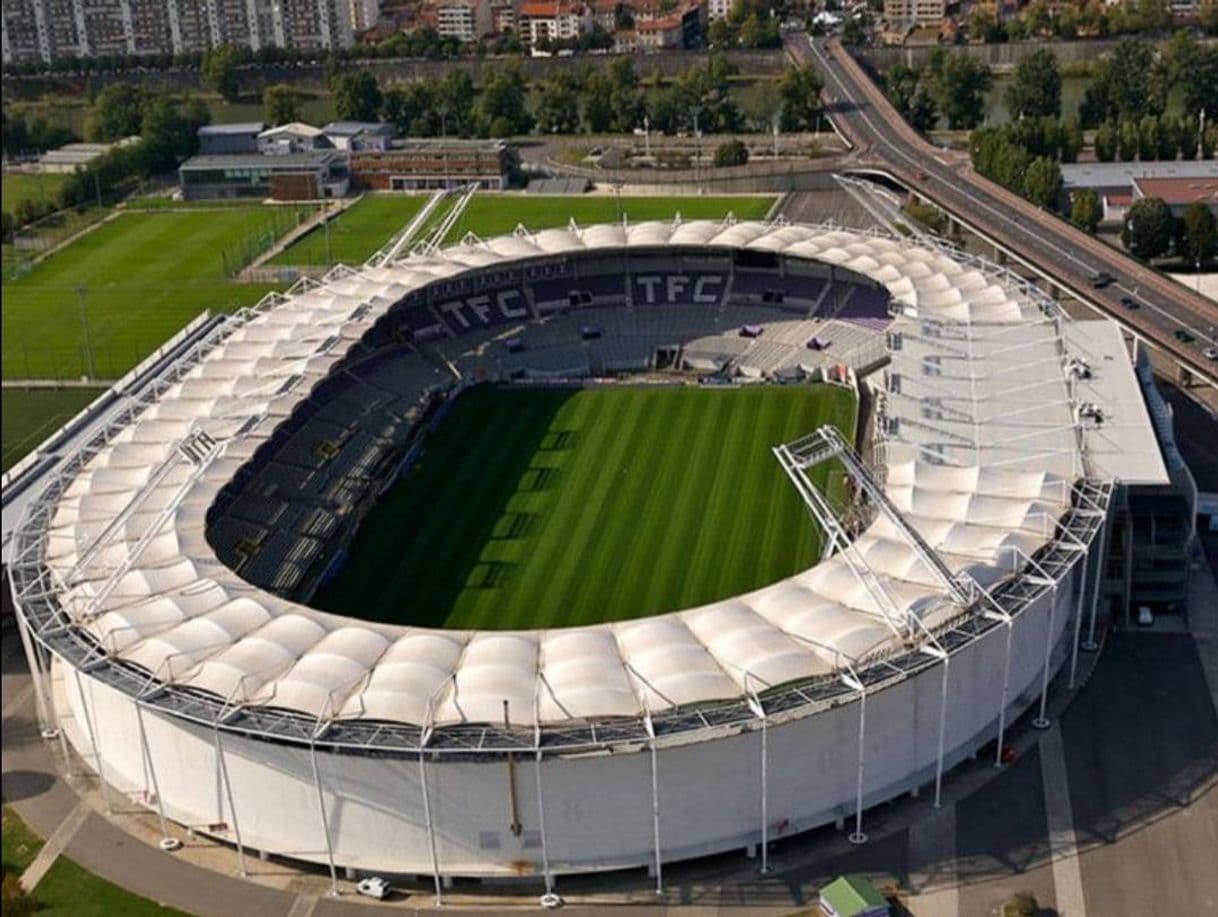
[654, 499]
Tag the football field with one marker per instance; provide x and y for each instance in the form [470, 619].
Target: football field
[543, 507]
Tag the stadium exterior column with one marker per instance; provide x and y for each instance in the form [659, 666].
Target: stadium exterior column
[431, 831]
[765, 797]
[1006, 687]
[228, 792]
[541, 827]
[858, 837]
[101, 771]
[1091, 646]
[34, 661]
[655, 812]
[167, 841]
[942, 732]
[1041, 722]
[325, 821]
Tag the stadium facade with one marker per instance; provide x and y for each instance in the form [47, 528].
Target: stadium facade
[951, 591]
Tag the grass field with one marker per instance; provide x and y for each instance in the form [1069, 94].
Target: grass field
[18, 186]
[356, 234]
[28, 416]
[137, 280]
[556, 507]
[495, 215]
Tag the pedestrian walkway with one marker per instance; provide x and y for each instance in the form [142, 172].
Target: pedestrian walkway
[54, 846]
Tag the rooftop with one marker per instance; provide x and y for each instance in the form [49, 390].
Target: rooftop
[239, 127]
[258, 160]
[295, 128]
[351, 128]
[1180, 190]
[1099, 174]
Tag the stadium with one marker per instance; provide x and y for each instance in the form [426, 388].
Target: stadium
[164, 579]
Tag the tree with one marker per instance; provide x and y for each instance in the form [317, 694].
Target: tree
[1169, 137]
[1071, 140]
[1042, 182]
[1188, 138]
[117, 112]
[799, 92]
[1148, 138]
[1209, 142]
[959, 84]
[1198, 241]
[503, 106]
[983, 24]
[219, 71]
[280, 104]
[1129, 83]
[1036, 90]
[1085, 210]
[558, 111]
[1128, 138]
[1200, 83]
[1106, 142]
[1207, 15]
[1148, 228]
[910, 94]
[731, 153]
[357, 97]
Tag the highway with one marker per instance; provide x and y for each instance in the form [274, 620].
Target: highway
[885, 142]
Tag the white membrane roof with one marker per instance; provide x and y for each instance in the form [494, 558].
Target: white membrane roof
[980, 461]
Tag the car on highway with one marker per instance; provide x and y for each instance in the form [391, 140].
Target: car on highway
[1184, 337]
[1211, 353]
[1129, 302]
[1101, 279]
[373, 887]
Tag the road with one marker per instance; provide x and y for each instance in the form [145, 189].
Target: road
[884, 141]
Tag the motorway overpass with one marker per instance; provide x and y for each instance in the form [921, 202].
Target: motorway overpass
[1067, 257]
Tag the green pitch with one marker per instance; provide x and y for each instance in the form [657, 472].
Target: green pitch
[556, 507]
[357, 233]
[127, 286]
[491, 215]
[28, 416]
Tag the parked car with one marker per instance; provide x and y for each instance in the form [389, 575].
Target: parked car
[1129, 302]
[1211, 353]
[1101, 279]
[373, 887]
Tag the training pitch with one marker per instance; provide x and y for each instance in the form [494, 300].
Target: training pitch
[544, 507]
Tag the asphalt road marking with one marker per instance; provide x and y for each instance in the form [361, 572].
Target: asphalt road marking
[1067, 876]
[303, 906]
[59, 839]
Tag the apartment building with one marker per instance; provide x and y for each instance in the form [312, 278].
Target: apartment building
[915, 12]
[542, 21]
[49, 29]
[464, 20]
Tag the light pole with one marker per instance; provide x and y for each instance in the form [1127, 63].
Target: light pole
[325, 223]
[647, 135]
[617, 195]
[90, 369]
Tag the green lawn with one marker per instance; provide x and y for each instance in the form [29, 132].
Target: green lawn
[18, 186]
[556, 507]
[28, 416]
[137, 280]
[21, 844]
[491, 215]
[70, 889]
[356, 234]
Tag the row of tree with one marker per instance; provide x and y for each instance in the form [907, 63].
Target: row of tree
[611, 99]
[1151, 138]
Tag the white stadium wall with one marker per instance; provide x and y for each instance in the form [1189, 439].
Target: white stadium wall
[597, 807]
[989, 465]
